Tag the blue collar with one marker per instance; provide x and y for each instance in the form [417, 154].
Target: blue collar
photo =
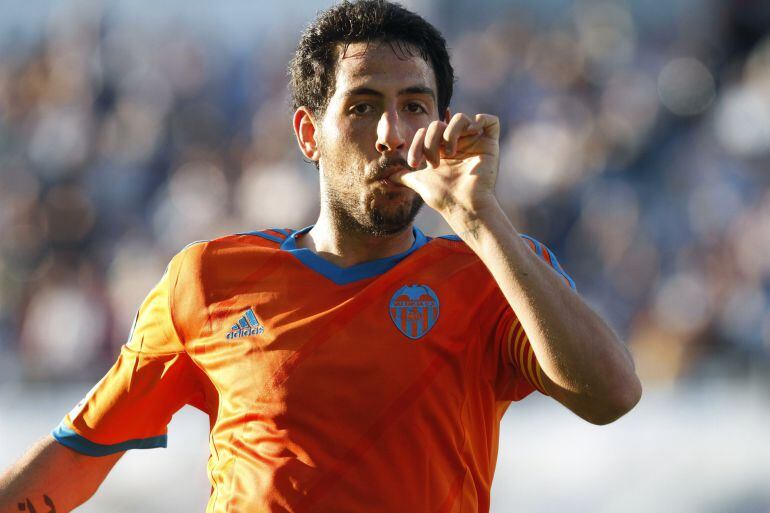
[345, 275]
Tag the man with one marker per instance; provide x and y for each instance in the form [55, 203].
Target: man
[354, 365]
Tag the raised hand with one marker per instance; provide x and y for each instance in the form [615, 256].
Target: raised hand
[455, 164]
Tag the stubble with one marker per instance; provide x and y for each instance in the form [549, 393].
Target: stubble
[354, 206]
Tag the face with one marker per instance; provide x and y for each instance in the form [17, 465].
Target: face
[382, 97]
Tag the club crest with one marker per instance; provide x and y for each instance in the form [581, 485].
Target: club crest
[414, 310]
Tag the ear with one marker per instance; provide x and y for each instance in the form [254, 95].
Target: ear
[305, 130]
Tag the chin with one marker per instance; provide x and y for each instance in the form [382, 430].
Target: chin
[395, 219]
[375, 214]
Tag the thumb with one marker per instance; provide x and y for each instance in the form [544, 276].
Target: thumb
[409, 178]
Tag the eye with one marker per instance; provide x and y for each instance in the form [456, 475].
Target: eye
[415, 108]
[360, 109]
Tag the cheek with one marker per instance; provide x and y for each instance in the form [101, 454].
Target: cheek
[361, 136]
[343, 142]
[342, 164]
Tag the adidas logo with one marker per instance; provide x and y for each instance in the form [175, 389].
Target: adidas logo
[247, 326]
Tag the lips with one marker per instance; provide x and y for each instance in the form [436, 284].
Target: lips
[392, 171]
[389, 171]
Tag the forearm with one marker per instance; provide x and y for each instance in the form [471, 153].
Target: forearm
[587, 368]
[52, 479]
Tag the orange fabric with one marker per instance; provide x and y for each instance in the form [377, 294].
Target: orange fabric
[330, 407]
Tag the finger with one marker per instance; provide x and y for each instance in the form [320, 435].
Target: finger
[489, 124]
[433, 139]
[408, 178]
[415, 157]
[458, 125]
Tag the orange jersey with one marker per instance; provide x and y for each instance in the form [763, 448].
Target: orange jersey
[379, 387]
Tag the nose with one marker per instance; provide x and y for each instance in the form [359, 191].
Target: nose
[390, 136]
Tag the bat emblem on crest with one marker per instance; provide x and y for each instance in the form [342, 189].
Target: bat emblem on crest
[414, 310]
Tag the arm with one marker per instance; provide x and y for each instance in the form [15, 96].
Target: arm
[129, 408]
[585, 366]
[51, 478]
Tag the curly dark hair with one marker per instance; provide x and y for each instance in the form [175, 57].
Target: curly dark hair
[313, 67]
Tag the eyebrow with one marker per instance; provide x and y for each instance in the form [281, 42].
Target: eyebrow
[366, 91]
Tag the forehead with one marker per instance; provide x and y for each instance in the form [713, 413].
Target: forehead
[383, 65]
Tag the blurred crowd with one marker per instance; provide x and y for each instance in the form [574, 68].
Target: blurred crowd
[636, 144]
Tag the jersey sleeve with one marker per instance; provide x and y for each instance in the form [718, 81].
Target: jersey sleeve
[153, 378]
[519, 372]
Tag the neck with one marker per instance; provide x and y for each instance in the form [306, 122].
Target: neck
[345, 247]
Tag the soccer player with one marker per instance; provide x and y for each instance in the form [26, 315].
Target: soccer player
[356, 364]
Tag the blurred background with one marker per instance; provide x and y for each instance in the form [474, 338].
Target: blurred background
[635, 143]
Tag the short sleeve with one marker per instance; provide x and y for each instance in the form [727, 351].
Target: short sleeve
[152, 379]
[519, 372]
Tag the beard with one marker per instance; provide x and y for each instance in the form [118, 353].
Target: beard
[365, 217]
[355, 206]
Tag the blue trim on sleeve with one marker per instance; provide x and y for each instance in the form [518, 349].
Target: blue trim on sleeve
[558, 267]
[346, 275]
[555, 265]
[538, 246]
[266, 236]
[68, 438]
[450, 237]
[282, 230]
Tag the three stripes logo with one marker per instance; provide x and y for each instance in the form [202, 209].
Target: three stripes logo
[247, 326]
